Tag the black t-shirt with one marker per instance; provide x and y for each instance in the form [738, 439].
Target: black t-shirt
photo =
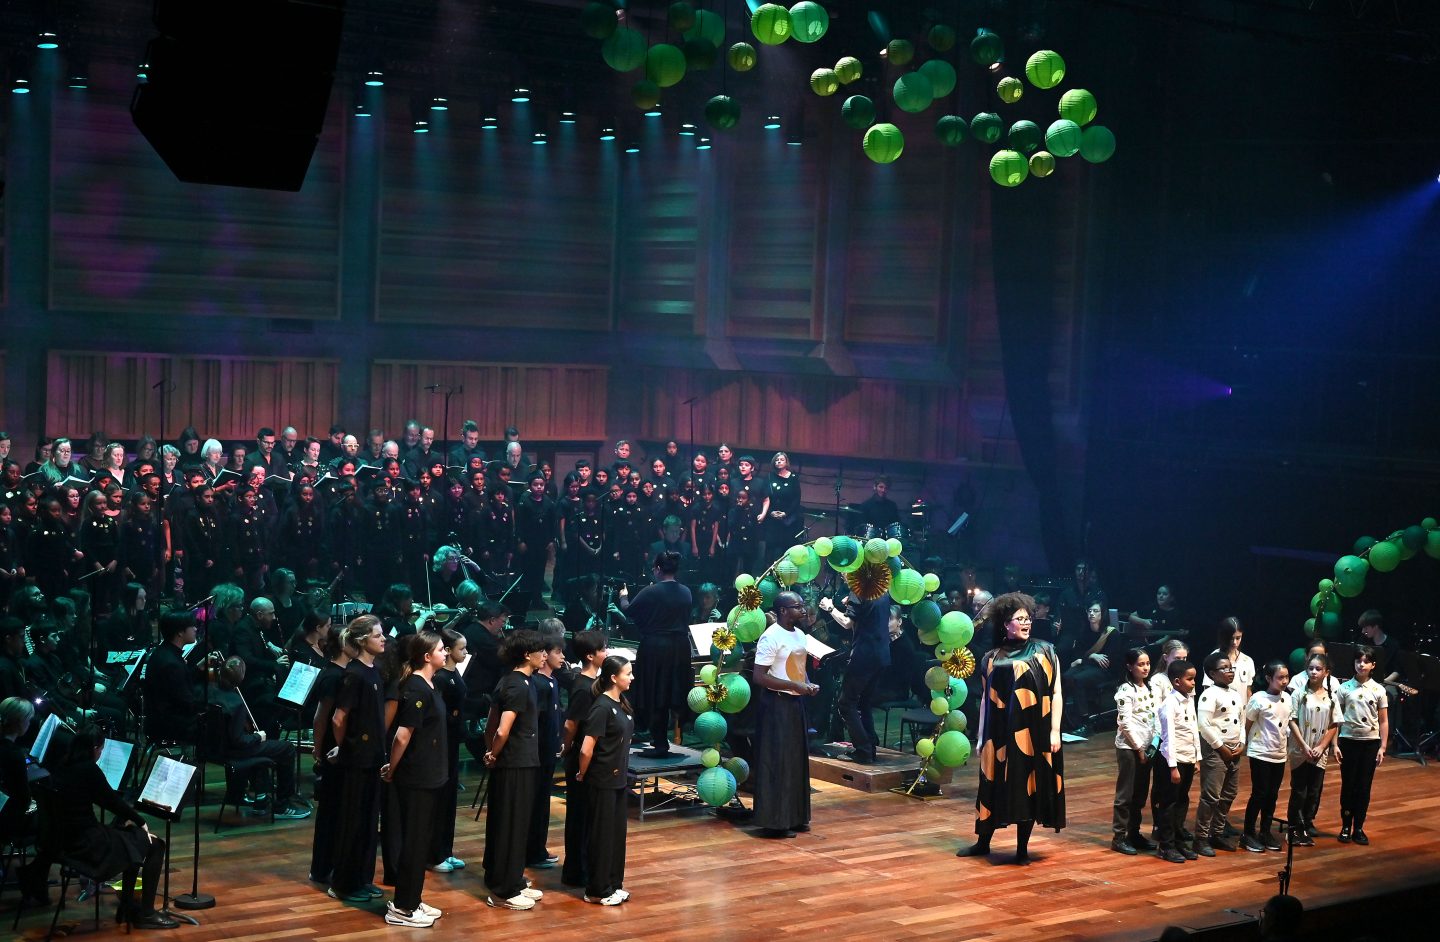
[425, 763]
[452, 691]
[327, 687]
[513, 694]
[1387, 657]
[582, 698]
[548, 715]
[362, 698]
[612, 727]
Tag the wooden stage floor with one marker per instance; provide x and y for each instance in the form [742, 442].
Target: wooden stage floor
[876, 867]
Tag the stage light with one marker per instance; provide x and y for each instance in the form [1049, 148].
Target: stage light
[633, 149]
[47, 41]
[653, 112]
[772, 123]
[422, 127]
[704, 144]
[490, 124]
[796, 129]
[77, 79]
[567, 117]
[520, 95]
[539, 138]
[687, 129]
[439, 104]
[361, 111]
[19, 86]
[607, 134]
[375, 78]
[142, 73]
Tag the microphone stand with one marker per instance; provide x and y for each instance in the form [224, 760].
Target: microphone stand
[839, 483]
[195, 900]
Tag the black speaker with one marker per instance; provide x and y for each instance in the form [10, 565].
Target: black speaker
[236, 92]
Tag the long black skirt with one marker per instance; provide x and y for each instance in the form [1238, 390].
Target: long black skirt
[782, 765]
[507, 828]
[663, 674]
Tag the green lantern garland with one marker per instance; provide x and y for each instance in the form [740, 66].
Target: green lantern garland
[770, 23]
[808, 21]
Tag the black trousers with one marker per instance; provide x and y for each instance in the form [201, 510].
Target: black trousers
[857, 704]
[1172, 802]
[1265, 780]
[605, 840]
[1306, 780]
[1357, 773]
[327, 822]
[418, 808]
[577, 814]
[358, 834]
[535, 849]
[507, 829]
[1132, 788]
[444, 843]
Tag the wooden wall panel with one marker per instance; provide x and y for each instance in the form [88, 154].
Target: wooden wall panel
[547, 402]
[487, 229]
[222, 397]
[818, 415]
[657, 256]
[127, 238]
[775, 253]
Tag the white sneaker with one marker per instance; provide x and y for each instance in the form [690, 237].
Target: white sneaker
[623, 894]
[429, 910]
[531, 893]
[455, 862]
[415, 920]
[514, 902]
[612, 900]
[443, 866]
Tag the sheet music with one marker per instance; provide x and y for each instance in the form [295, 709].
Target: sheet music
[123, 657]
[621, 651]
[42, 738]
[816, 648]
[185, 651]
[167, 784]
[700, 636]
[114, 760]
[298, 683]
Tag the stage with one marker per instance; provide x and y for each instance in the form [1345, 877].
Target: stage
[876, 866]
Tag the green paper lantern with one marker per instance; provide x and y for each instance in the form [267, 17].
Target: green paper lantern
[808, 21]
[1010, 89]
[1328, 625]
[598, 20]
[737, 767]
[939, 706]
[1297, 660]
[928, 636]
[1364, 543]
[1097, 144]
[1078, 105]
[906, 587]
[956, 720]
[1009, 168]
[737, 695]
[957, 693]
[950, 129]
[1045, 69]
[824, 82]
[941, 75]
[926, 615]
[894, 547]
[709, 673]
[1384, 556]
[844, 549]
[1432, 544]
[823, 546]
[1350, 588]
[1413, 538]
[899, 51]
[810, 568]
[956, 629]
[858, 112]
[769, 589]
[711, 728]
[883, 144]
[987, 127]
[741, 57]
[722, 112]
[786, 572]
[849, 69]
[1042, 164]
[744, 581]
[698, 700]
[1324, 602]
[715, 787]
[709, 27]
[798, 553]
[1024, 136]
[699, 55]
[645, 94]
[913, 92]
[924, 748]
[941, 38]
[710, 758]
[1062, 138]
[1326, 585]
[854, 566]
[747, 625]
[937, 680]
[1309, 627]
[771, 24]
[625, 50]
[952, 748]
[932, 582]
[987, 48]
[681, 16]
[1429, 523]
[876, 550]
[664, 65]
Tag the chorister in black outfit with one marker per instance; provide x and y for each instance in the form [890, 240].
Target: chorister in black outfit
[513, 756]
[359, 729]
[661, 613]
[327, 775]
[590, 649]
[605, 769]
[451, 684]
[548, 716]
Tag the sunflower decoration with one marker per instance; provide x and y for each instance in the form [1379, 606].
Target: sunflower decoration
[751, 598]
[959, 663]
[870, 581]
[723, 639]
[716, 692]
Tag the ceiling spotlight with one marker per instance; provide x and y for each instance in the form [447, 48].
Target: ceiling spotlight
[422, 127]
[772, 123]
[374, 78]
[704, 144]
[633, 149]
[142, 73]
[47, 41]
[607, 134]
[520, 95]
[687, 129]
[77, 79]
[362, 111]
[567, 117]
[439, 104]
[539, 138]
[653, 112]
[489, 124]
[20, 86]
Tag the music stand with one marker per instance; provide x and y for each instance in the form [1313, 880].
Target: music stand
[161, 798]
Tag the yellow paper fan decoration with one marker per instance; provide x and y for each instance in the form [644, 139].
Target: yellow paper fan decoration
[870, 581]
[716, 692]
[751, 598]
[959, 663]
[723, 638]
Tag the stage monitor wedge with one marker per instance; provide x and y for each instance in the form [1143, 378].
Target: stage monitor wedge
[236, 92]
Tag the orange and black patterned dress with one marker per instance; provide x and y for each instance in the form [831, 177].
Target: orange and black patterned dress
[1020, 778]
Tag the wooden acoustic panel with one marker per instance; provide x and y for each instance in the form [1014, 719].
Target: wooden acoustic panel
[775, 249]
[128, 239]
[547, 402]
[222, 397]
[818, 415]
[658, 260]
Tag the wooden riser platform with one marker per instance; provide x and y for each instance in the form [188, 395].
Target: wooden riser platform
[890, 770]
